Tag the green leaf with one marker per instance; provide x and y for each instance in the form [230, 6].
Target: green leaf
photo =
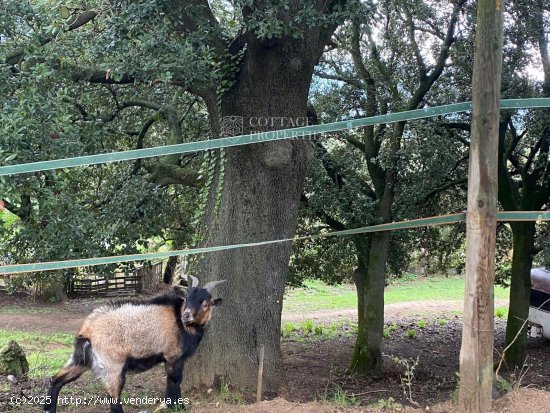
[65, 12]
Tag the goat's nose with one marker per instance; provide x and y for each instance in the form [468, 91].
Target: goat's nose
[186, 315]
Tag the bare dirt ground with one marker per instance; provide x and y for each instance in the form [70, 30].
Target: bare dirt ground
[523, 400]
[316, 368]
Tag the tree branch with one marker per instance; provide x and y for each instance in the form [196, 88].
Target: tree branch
[24, 210]
[350, 81]
[77, 21]
[130, 104]
[444, 187]
[371, 146]
[460, 126]
[100, 77]
[434, 31]
[323, 215]
[535, 149]
[543, 49]
[425, 86]
[508, 193]
[419, 59]
[327, 163]
[163, 174]
[198, 16]
[141, 138]
[516, 138]
[355, 142]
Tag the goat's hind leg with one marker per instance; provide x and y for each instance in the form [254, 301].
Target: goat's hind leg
[79, 363]
[67, 374]
[113, 378]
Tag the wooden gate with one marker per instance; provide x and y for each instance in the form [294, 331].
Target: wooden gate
[117, 285]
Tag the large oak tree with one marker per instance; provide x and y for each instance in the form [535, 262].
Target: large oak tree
[250, 59]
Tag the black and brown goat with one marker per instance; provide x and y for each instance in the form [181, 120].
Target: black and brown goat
[134, 336]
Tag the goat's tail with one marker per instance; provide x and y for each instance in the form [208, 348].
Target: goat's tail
[82, 354]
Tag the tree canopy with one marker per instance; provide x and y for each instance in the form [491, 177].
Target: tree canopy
[85, 77]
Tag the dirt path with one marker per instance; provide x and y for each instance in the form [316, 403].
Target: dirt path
[391, 311]
[69, 322]
[42, 323]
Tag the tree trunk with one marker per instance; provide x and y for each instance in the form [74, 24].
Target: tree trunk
[169, 271]
[367, 354]
[520, 292]
[359, 276]
[262, 184]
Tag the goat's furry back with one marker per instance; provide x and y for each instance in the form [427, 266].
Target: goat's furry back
[136, 329]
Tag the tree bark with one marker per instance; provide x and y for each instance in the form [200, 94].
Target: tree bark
[262, 184]
[360, 358]
[168, 275]
[520, 292]
[367, 354]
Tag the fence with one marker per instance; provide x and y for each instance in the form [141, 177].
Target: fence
[262, 138]
[118, 285]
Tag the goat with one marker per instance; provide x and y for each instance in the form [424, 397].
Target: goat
[134, 336]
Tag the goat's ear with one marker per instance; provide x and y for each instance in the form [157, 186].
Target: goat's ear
[216, 303]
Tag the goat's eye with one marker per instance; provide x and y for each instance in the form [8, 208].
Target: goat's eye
[205, 305]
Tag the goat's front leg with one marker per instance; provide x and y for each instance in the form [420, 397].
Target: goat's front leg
[174, 376]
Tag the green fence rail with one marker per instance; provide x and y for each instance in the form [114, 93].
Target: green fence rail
[413, 223]
[261, 137]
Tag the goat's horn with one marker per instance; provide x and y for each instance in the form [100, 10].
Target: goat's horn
[194, 281]
[212, 284]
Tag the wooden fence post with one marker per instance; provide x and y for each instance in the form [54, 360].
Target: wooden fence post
[476, 354]
[260, 374]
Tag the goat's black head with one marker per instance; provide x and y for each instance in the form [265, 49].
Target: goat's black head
[197, 309]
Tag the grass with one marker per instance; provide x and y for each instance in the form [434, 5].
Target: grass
[410, 333]
[310, 330]
[289, 328]
[434, 288]
[387, 404]
[316, 295]
[227, 395]
[501, 312]
[308, 326]
[46, 353]
[389, 330]
[422, 323]
[339, 397]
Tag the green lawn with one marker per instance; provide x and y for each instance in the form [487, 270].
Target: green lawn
[318, 296]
